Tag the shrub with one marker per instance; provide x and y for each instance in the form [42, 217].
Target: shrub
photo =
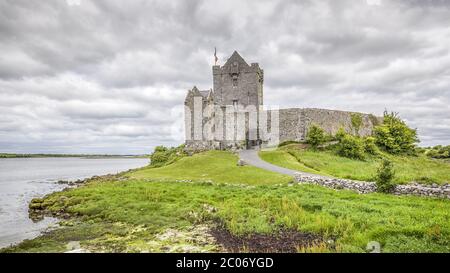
[369, 145]
[159, 158]
[315, 136]
[385, 175]
[340, 134]
[164, 156]
[394, 136]
[439, 151]
[351, 147]
[160, 149]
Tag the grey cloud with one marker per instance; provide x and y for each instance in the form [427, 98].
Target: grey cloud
[105, 76]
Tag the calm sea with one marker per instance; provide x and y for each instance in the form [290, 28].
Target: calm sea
[22, 179]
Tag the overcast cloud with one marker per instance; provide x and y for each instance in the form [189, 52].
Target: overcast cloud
[85, 76]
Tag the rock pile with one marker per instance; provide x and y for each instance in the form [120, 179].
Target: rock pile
[433, 190]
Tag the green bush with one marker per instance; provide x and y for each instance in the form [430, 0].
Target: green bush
[316, 136]
[439, 151]
[385, 175]
[340, 134]
[369, 145]
[159, 158]
[351, 147]
[164, 156]
[394, 136]
[160, 149]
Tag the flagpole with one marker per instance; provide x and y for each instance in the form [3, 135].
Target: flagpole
[215, 56]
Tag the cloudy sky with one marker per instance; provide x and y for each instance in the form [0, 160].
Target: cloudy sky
[85, 76]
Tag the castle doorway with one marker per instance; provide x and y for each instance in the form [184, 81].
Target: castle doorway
[250, 144]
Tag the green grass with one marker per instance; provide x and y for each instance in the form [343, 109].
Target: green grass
[407, 168]
[216, 166]
[400, 224]
[125, 214]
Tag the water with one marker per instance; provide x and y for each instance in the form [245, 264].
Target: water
[22, 179]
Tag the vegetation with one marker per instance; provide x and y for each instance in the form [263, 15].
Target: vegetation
[385, 175]
[375, 121]
[288, 142]
[356, 119]
[328, 162]
[394, 136]
[369, 146]
[315, 136]
[438, 152]
[132, 213]
[351, 147]
[162, 156]
[210, 166]
[340, 134]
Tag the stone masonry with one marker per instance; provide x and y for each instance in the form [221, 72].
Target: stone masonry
[433, 190]
[231, 115]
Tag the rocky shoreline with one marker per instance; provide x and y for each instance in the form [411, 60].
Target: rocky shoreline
[433, 190]
[38, 208]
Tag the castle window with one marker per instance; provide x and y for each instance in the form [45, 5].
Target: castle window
[235, 82]
[235, 104]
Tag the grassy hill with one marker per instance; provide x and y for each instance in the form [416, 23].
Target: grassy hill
[408, 168]
[214, 166]
[150, 209]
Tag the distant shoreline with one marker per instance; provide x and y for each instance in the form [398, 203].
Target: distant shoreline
[13, 155]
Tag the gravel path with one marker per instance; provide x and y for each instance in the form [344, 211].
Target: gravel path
[251, 157]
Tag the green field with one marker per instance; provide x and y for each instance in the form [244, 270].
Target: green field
[408, 168]
[214, 166]
[130, 212]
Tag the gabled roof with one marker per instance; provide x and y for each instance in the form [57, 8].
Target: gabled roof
[235, 57]
[204, 93]
[194, 92]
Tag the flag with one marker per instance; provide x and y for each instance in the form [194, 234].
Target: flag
[215, 56]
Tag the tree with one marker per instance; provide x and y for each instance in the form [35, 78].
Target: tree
[385, 175]
[394, 136]
[315, 136]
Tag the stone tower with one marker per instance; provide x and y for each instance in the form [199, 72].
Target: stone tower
[237, 83]
[228, 116]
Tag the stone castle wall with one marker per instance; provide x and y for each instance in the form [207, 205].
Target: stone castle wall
[332, 120]
[295, 122]
[237, 84]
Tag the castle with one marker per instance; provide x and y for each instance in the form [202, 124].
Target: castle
[232, 115]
